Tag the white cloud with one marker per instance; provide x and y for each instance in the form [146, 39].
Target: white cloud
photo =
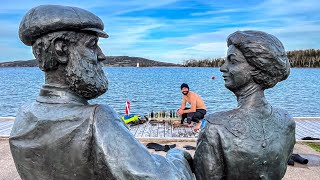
[209, 47]
[202, 36]
[178, 56]
[139, 5]
[216, 12]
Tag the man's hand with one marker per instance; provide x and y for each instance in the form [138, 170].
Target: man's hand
[180, 111]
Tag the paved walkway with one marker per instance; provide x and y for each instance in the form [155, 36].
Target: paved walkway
[163, 129]
[5, 127]
[296, 172]
[183, 136]
[306, 128]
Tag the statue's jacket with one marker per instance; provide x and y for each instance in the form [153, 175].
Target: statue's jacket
[240, 145]
[60, 136]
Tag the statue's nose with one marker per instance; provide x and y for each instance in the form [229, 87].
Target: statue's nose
[101, 56]
[223, 67]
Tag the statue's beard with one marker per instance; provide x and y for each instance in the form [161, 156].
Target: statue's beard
[86, 79]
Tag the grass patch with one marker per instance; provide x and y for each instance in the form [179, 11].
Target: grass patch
[315, 146]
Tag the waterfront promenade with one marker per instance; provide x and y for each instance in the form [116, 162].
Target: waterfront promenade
[296, 172]
[305, 127]
[164, 133]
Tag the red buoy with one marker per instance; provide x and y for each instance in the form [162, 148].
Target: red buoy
[213, 77]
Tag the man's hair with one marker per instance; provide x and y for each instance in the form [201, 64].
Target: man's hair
[184, 85]
[44, 48]
[265, 53]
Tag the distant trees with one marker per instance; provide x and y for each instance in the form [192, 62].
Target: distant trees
[298, 58]
[213, 62]
[304, 58]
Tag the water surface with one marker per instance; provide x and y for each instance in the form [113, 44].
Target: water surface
[159, 89]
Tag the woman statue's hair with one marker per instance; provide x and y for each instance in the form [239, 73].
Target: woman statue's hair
[265, 53]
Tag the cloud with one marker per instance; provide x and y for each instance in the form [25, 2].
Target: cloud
[209, 47]
[216, 12]
[178, 56]
[173, 30]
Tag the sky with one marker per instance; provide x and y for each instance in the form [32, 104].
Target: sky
[175, 30]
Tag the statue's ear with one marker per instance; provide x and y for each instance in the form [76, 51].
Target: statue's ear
[61, 50]
[254, 72]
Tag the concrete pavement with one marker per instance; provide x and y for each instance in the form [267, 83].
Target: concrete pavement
[297, 172]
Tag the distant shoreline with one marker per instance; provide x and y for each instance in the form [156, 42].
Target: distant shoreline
[111, 61]
[309, 58]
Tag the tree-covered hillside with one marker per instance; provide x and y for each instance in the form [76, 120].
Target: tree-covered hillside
[309, 58]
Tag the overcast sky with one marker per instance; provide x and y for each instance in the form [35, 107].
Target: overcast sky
[176, 30]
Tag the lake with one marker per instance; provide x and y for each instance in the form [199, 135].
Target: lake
[156, 89]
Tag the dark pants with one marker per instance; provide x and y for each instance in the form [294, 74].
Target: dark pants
[193, 116]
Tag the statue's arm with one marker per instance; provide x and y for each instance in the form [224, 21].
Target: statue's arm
[118, 154]
[208, 159]
[181, 160]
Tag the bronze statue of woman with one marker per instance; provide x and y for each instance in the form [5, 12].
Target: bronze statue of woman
[254, 140]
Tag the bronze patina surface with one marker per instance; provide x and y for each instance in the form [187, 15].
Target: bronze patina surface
[254, 140]
[61, 136]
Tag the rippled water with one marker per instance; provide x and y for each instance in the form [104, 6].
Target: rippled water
[159, 89]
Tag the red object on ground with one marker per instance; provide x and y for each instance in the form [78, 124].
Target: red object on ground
[213, 77]
[127, 107]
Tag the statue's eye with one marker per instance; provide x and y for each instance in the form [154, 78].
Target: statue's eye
[233, 60]
[92, 44]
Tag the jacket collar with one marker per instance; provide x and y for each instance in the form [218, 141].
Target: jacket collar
[54, 94]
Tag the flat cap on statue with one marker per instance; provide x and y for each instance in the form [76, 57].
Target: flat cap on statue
[45, 19]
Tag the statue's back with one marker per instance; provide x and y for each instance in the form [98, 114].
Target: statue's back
[50, 145]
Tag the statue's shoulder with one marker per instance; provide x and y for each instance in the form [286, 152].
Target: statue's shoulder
[219, 118]
[224, 117]
[283, 118]
[104, 112]
[27, 110]
[103, 108]
[234, 121]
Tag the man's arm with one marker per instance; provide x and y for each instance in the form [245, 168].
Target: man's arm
[118, 154]
[183, 103]
[183, 106]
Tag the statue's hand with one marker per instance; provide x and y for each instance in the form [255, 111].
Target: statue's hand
[178, 153]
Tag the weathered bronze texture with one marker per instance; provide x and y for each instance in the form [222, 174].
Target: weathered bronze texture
[254, 140]
[61, 136]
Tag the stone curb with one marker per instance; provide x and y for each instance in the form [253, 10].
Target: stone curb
[306, 118]
[8, 118]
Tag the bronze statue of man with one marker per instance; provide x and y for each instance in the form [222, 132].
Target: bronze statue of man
[254, 140]
[61, 136]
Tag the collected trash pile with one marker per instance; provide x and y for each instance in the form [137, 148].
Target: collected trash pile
[170, 114]
[134, 119]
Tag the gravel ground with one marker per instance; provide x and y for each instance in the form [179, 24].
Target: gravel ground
[296, 172]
